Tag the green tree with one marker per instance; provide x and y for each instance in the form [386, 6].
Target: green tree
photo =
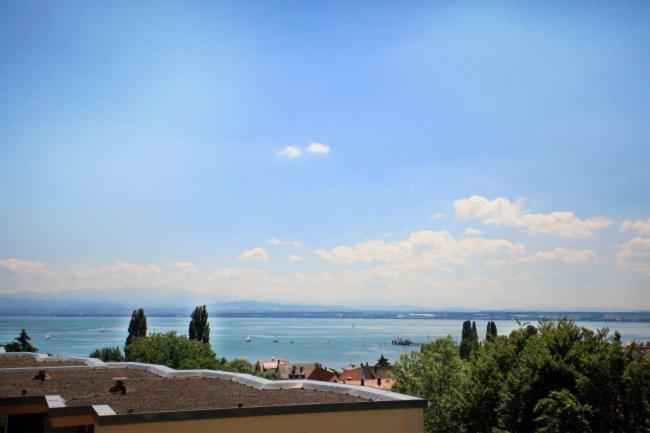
[22, 344]
[485, 379]
[172, 350]
[561, 412]
[108, 354]
[635, 395]
[469, 339]
[436, 374]
[239, 365]
[382, 361]
[491, 331]
[137, 327]
[553, 377]
[199, 325]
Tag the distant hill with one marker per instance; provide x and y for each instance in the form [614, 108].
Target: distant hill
[39, 305]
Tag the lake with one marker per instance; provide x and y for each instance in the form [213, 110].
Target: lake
[333, 342]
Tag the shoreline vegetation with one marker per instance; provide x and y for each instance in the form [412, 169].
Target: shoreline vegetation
[176, 351]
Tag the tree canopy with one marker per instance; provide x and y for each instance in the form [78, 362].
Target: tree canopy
[22, 344]
[491, 331]
[469, 339]
[172, 350]
[199, 325]
[382, 361]
[108, 354]
[556, 377]
[137, 327]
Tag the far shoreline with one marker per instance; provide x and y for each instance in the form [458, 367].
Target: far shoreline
[522, 316]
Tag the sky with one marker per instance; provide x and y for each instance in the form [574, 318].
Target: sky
[489, 155]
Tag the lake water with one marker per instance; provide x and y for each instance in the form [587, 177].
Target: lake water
[333, 342]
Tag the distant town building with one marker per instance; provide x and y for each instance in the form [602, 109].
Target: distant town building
[310, 371]
[270, 364]
[377, 376]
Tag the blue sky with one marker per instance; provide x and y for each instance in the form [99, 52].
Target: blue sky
[142, 147]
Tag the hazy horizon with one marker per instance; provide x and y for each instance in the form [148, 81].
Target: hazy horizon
[478, 156]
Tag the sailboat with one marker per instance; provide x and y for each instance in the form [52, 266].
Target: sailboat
[103, 329]
[248, 338]
[47, 336]
[276, 339]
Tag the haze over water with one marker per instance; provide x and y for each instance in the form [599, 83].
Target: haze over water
[333, 342]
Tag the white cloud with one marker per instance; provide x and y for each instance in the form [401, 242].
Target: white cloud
[317, 148]
[421, 249]
[437, 216]
[295, 258]
[640, 226]
[471, 231]
[256, 253]
[296, 244]
[635, 255]
[186, 267]
[23, 266]
[563, 255]
[503, 212]
[383, 283]
[290, 152]
[274, 241]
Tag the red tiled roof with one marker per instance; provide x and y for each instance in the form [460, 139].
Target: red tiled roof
[367, 372]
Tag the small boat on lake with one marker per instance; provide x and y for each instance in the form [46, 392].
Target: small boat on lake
[248, 338]
[276, 339]
[48, 336]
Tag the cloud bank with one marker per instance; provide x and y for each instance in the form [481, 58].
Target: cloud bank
[503, 212]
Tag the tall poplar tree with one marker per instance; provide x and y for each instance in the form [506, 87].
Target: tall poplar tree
[199, 325]
[491, 331]
[137, 326]
[466, 340]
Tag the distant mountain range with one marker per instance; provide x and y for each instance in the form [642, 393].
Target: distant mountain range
[39, 305]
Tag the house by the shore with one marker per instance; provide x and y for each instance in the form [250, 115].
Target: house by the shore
[373, 376]
[271, 365]
[308, 371]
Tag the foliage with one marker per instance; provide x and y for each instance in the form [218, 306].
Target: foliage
[199, 325]
[108, 354]
[239, 365]
[554, 377]
[561, 412]
[469, 339]
[491, 331]
[382, 361]
[22, 344]
[435, 373]
[137, 327]
[172, 350]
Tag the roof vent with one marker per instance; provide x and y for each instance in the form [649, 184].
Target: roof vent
[120, 386]
[42, 376]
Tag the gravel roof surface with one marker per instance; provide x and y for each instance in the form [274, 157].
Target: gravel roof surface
[24, 361]
[151, 393]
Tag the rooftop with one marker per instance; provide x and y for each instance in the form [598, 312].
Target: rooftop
[69, 387]
[28, 361]
[151, 393]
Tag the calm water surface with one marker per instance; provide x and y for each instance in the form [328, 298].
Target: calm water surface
[333, 342]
